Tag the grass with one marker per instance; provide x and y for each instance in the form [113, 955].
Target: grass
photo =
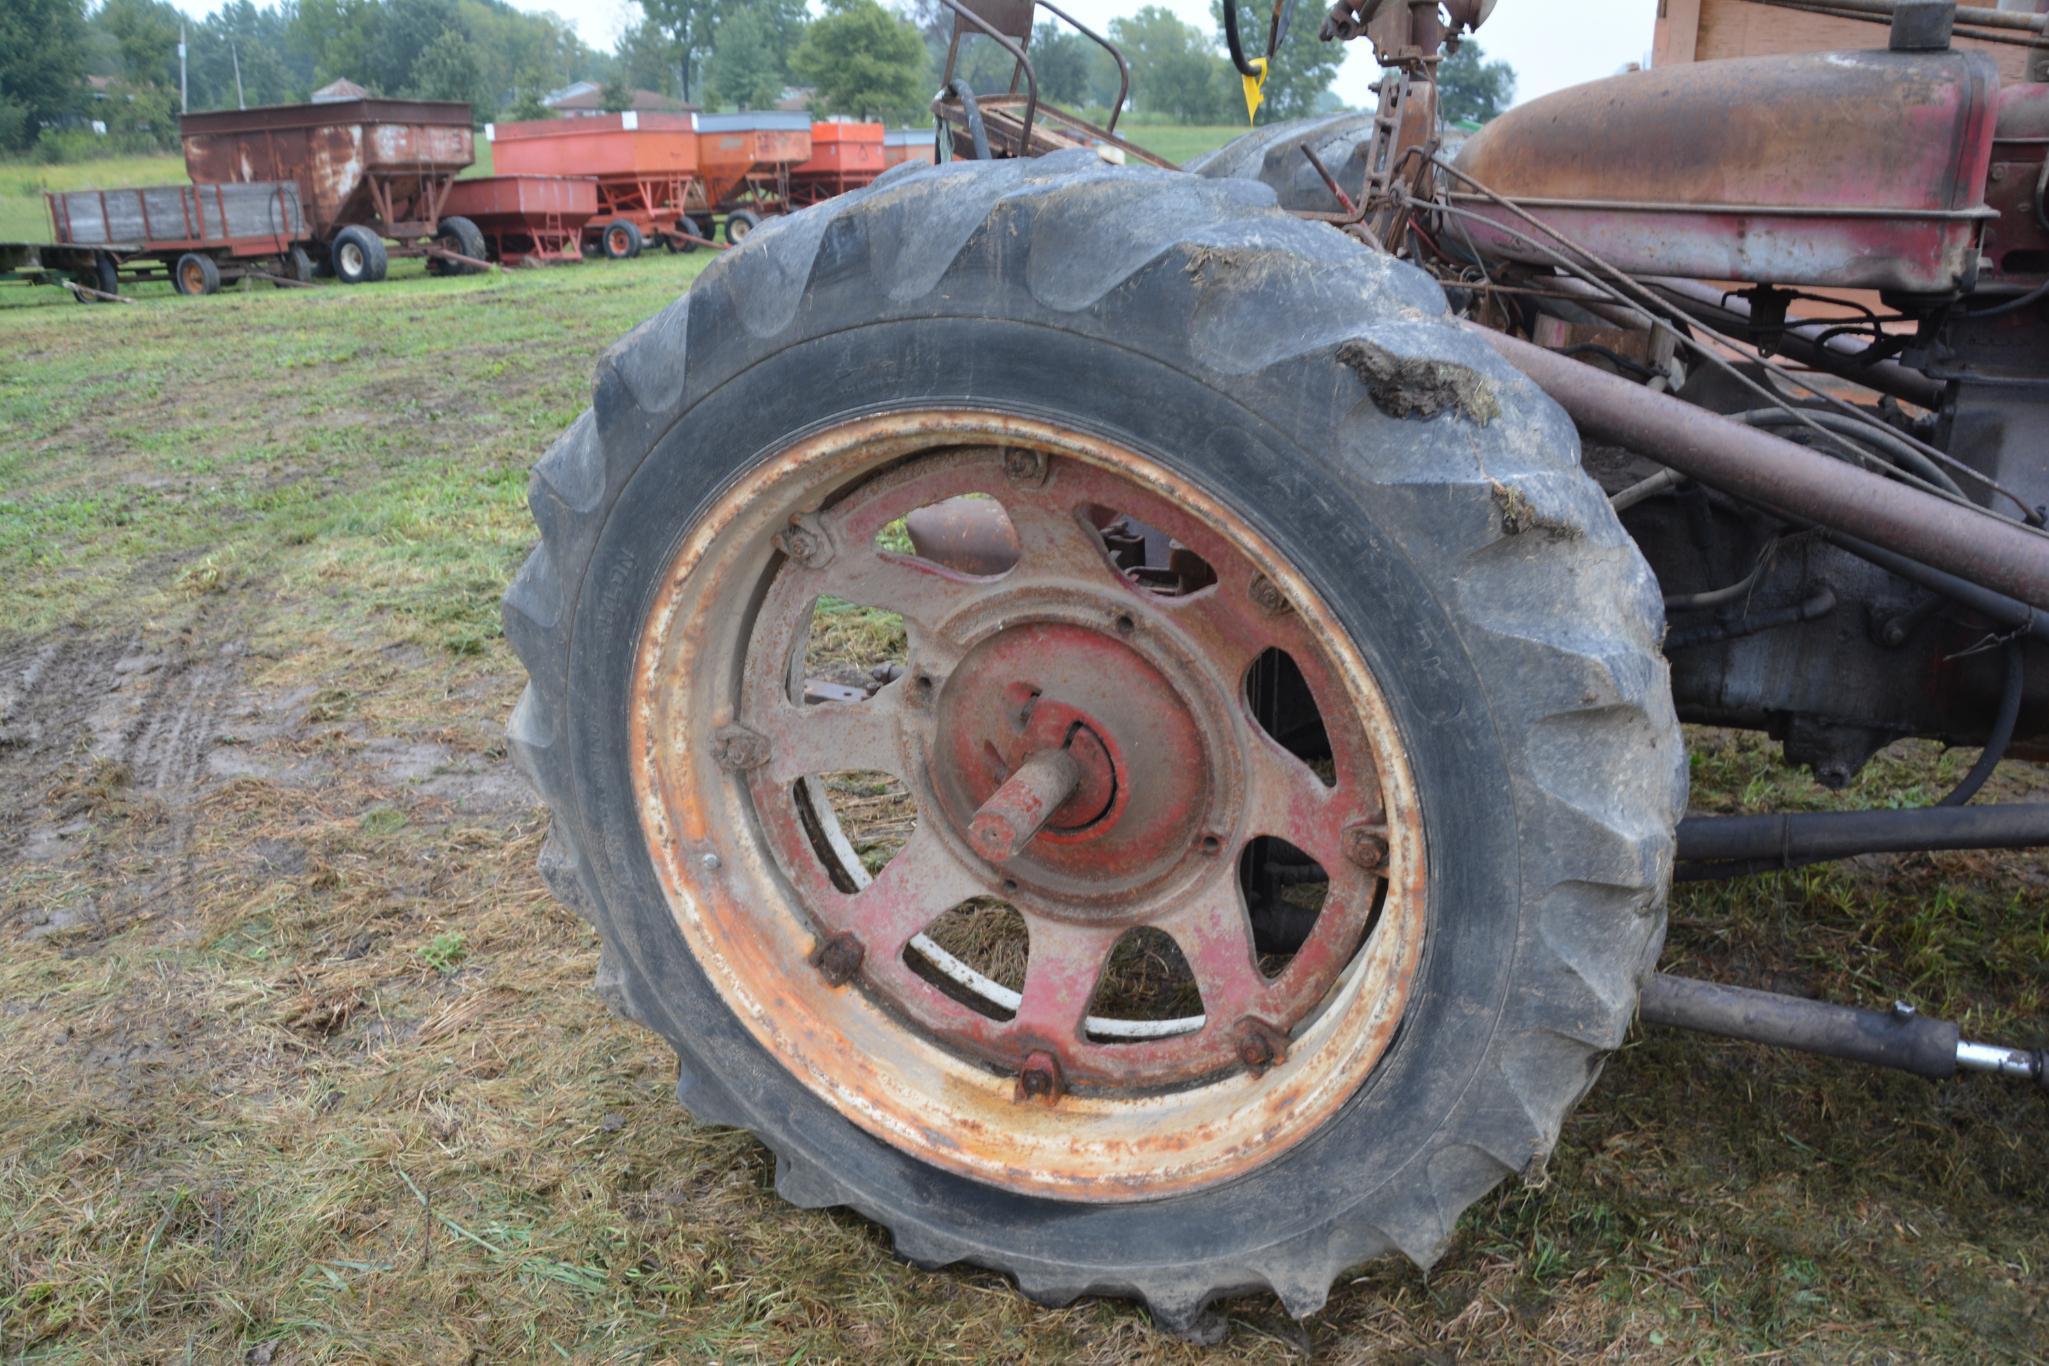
[298, 1057]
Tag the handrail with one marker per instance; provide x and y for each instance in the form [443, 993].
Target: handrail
[1116, 55]
[1024, 63]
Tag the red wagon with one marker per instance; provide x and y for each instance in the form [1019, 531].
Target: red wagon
[643, 166]
[366, 170]
[743, 165]
[528, 219]
[844, 156]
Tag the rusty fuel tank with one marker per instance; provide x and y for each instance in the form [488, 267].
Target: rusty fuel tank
[1862, 170]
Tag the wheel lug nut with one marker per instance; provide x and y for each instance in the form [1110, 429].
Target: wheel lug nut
[805, 541]
[1027, 469]
[1039, 1079]
[1260, 1045]
[1366, 845]
[737, 749]
[1268, 597]
[838, 959]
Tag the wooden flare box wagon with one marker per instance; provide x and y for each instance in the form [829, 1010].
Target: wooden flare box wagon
[196, 236]
[844, 156]
[366, 169]
[528, 219]
[642, 165]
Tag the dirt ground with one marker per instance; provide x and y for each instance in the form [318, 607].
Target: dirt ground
[298, 1062]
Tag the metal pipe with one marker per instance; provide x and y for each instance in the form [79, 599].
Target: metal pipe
[1997, 607]
[1791, 479]
[1018, 810]
[1801, 341]
[1788, 839]
[1900, 1038]
[1966, 14]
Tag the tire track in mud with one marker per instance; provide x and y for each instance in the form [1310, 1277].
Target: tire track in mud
[86, 718]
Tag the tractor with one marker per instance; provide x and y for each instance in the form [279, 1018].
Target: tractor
[1286, 578]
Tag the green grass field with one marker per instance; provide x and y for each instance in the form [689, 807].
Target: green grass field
[298, 1060]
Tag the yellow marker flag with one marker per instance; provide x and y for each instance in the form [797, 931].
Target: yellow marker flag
[1253, 96]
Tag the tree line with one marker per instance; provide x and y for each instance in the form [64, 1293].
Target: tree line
[855, 57]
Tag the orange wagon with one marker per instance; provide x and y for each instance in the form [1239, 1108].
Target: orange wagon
[644, 166]
[744, 163]
[844, 156]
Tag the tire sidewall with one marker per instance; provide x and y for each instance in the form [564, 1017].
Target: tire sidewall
[1464, 768]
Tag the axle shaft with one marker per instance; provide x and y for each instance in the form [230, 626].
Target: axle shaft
[1018, 810]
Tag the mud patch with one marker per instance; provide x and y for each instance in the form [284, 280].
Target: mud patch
[1519, 515]
[1408, 386]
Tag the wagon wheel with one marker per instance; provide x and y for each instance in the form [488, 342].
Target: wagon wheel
[621, 240]
[195, 274]
[1233, 571]
[739, 223]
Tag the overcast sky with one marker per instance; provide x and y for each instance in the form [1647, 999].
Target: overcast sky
[1551, 43]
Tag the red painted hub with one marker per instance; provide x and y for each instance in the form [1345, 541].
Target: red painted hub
[1049, 685]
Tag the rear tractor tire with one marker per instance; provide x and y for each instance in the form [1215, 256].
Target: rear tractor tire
[358, 256]
[1267, 621]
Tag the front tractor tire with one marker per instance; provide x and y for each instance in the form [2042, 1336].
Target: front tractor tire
[1293, 580]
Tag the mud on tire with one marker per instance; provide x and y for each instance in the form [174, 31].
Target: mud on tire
[1430, 494]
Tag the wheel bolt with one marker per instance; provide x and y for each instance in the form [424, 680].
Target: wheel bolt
[1039, 1079]
[737, 749]
[1260, 1045]
[804, 540]
[1024, 468]
[1268, 597]
[1020, 808]
[838, 959]
[1366, 845]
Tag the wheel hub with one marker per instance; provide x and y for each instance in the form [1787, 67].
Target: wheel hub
[1143, 779]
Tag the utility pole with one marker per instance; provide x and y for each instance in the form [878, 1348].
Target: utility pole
[184, 104]
[237, 57]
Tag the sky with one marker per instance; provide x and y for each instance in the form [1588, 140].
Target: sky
[1550, 43]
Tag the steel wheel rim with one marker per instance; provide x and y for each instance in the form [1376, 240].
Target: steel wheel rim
[192, 277]
[352, 258]
[1172, 1108]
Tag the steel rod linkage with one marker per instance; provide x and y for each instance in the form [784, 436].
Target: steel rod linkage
[1900, 1038]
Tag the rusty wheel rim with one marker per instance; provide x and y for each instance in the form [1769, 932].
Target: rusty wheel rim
[615, 241]
[1062, 689]
[192, 277]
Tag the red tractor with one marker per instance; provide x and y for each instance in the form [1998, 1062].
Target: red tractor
[1293, 576]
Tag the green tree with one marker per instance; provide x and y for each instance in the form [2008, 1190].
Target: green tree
[690, 27]
[447, 70]
[1173, 67]
[645, 58]
[138, 41]
[750, 60]
[1471, 87]
[42, 66]
[864, 61]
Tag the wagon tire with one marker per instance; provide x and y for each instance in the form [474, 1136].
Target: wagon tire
[358, 256]
[196, 273]
[1425, 501]
[464, 238]
[739, 223]
[297, 265]
[621, 240]
[687, 228]
[106, 277]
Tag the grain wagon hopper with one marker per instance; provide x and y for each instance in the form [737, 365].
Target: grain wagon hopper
[743, 166]
[844, 156]
[643, 164]
[907, 144]
[367, 170]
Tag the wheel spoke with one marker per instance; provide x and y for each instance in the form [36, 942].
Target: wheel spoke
[1061, 973]
[922, 592]
[1214, 933]
[920, 884]
[806, 741]
[1286, 799]
[1054, 542]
